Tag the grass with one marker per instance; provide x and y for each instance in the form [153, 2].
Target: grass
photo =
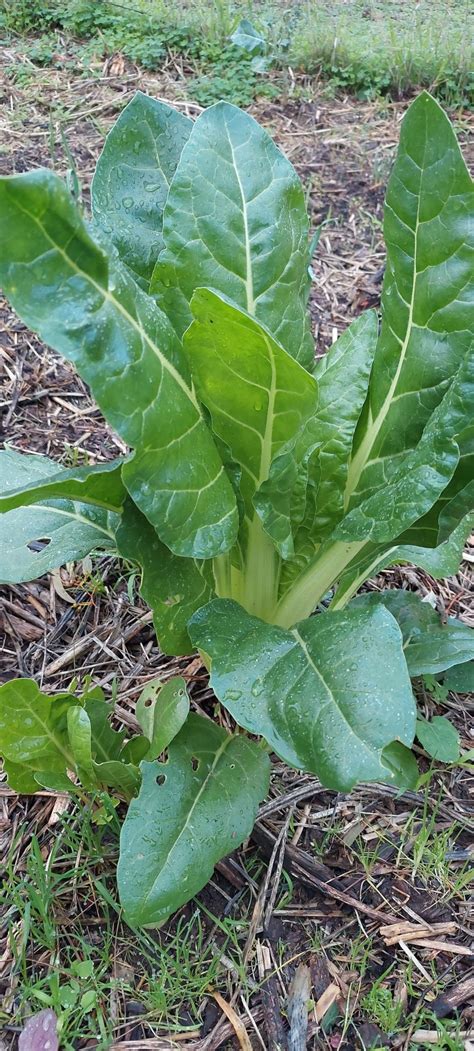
[71, 952]
[366, 47]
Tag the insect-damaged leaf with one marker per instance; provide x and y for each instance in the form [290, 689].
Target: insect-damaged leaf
[51, 516]
[191, 811]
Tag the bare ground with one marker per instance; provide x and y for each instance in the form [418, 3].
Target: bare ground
[351, 861]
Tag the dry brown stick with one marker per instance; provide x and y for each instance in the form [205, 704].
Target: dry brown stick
[459, 994]
[272, 1018]
[308, 870]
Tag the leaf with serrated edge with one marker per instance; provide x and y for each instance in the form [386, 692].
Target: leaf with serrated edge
[132, 179]
[191, 811]
[85, 305]
[173, 587]
[429, 645]
[328, 696]
[232, 176]
[161, 711]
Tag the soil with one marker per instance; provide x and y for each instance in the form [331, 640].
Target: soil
[78, 622]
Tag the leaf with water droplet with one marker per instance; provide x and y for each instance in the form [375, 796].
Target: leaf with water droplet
[331, 717]
[189, 813]
[128, 197]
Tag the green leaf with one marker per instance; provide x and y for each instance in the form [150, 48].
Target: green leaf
[439, 738]
[422, 476]
[106, 742]
[20, 778]
[80, 739]
[173, 587]
[304, 495]
[85, 305]
[124, 777]
[162, 709]
[429, 645]
[232, 177]
[403, 765]
[427, 323]
[33, 725]
[43, 523]
[257, 395]
[190, 812]
[27, 479]
[105, 760]
[440, 561]
[328, 696]
[132, 179]
[247, 37]
[343, 376]
[460, 678]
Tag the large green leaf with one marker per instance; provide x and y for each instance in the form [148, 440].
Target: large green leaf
[132, 179]
[328, 696]
[161, 711]
[259, 398]
[44, 529]
[232, 177]
[430, 646]
[85, 305]
[191, 811]
[173, 587]
[427, 322]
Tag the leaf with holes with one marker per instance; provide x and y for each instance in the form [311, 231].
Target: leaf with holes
[162, 709]
[190, 812]
[50, 516]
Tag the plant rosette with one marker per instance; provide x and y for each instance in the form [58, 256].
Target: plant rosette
[260, 486]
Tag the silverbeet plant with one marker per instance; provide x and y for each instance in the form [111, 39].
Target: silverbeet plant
[261, 486]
